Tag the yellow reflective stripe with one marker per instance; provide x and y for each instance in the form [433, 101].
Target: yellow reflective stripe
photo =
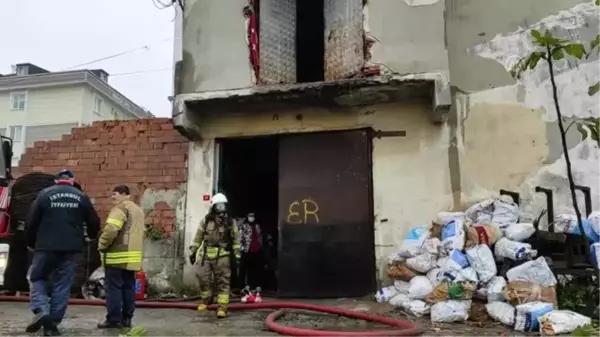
[205, 294]
[223, 299]
[121, 254]
[123, 257]
[116, 222]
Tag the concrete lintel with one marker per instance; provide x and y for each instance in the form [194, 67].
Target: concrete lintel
[425, 87]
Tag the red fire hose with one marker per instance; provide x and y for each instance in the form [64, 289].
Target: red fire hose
[401, 328]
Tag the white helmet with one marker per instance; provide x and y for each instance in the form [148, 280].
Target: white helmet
[218, 198]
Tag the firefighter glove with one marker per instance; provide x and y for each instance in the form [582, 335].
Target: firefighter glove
[192, 257]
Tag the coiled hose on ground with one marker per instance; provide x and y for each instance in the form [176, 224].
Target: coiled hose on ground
[399, 327]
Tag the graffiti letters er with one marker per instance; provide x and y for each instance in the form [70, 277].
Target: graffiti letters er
[310, 207]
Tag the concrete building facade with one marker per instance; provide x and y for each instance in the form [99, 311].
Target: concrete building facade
[444, 122]
[36, 104]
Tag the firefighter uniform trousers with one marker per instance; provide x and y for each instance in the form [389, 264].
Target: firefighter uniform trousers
[220, 269]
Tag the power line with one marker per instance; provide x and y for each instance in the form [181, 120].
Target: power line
[141, 72]
[146, 47]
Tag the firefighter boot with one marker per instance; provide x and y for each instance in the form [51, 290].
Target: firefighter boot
[202, 307]
[221, 313]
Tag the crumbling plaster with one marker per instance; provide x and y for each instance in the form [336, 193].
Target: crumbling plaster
[482, 48]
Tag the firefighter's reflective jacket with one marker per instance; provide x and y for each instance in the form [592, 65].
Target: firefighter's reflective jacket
[122, 239]
[215, 239]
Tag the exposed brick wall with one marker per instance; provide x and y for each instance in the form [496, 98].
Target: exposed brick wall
[143, 154]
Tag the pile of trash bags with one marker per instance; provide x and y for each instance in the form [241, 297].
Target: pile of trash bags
[443, 270]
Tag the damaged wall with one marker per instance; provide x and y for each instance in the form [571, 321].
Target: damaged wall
[519, 118]
[216, 57]
[499, 133]
[410, 174]
[148, 155]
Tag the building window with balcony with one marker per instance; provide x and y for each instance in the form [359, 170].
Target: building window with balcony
[15, 132]
[18, 101]
[97, 105]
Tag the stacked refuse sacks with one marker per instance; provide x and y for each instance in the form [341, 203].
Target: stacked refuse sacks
[441, 270]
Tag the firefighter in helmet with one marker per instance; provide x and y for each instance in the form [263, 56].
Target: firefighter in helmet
[213, 252]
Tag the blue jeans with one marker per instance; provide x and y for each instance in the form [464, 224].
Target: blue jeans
[59, 268]
[120, 295]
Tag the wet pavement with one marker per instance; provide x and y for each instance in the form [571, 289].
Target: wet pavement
[82, 320]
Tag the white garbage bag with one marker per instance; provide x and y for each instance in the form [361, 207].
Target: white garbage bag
[445, 217]
[399, 300]
[402, 286]
[594, 220]
[432, 246]
[416, 307]
[514, 250]
[501, 312]
[495, 289]
[480, 257]
[560, 322]
[519, 231]
[506, 211]
[567, 223]
[413, 242]
[420, 287]
[422, 263]
[536, 272]
[442, 261]
[432, 275]
[395, 258]
[452, 275]
[482, 212]
[94, 287]
[456, 261]
[385, 294]
[526, 319]
[453, 235]
[450, 311]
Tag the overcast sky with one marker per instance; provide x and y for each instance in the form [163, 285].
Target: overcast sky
[59, 34]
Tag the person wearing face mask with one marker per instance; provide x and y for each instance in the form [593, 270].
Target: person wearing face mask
[121, 246]
[251, 247]
[213, 252]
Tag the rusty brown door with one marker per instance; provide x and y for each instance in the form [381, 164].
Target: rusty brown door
[326, 246]
[344, 53]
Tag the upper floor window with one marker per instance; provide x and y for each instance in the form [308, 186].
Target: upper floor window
[18, 100]
[16, 133]
[98, 105]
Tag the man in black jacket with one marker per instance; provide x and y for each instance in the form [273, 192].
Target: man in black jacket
[54, 231]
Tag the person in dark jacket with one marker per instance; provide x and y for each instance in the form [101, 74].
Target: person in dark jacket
[55, 234]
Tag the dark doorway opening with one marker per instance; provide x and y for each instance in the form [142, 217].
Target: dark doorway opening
[249, 176]
[310, 41]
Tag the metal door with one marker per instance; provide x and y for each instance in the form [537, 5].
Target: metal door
[344, 52]
[277, 52]
[326, 246]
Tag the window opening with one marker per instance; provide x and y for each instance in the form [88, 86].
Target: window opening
[310, 41]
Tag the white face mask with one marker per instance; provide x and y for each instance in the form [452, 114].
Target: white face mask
[250, 219]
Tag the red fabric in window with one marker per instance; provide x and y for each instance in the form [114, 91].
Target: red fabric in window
[254, 52]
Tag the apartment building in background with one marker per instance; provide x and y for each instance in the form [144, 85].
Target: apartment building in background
[37, 104]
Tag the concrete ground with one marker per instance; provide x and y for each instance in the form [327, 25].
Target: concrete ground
[82, 320]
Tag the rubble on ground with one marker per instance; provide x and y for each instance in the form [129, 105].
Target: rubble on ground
[449, 270]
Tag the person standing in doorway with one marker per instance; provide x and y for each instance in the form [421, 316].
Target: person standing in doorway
[251, 246]
[213, 252]
[55, 234]
[121, 248]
